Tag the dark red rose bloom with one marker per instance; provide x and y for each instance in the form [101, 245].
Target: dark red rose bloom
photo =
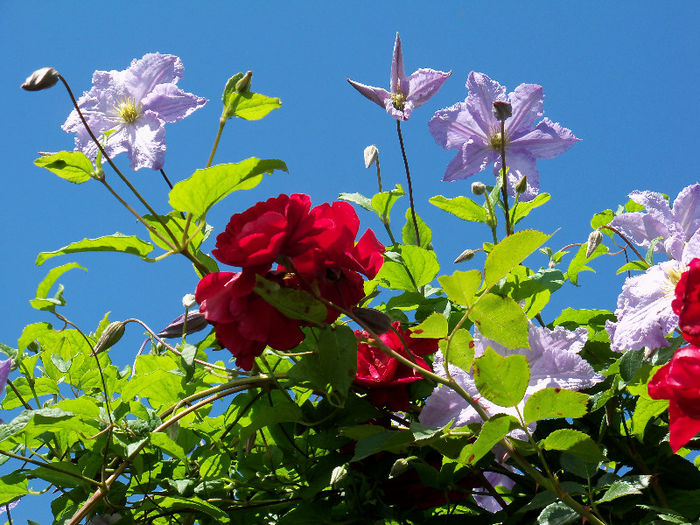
[687, 303]
[383, 374]
[679, 382]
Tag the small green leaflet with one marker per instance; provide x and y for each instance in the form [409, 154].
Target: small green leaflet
[116, 242]
[72, 166]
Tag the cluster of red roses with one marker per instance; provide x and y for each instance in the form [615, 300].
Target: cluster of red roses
[679, 380]
[386, 378]
[314, 249]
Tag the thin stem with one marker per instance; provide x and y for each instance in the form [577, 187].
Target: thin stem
[19, 396]
[504, 187]
[410, 185]
[50, 466]
[167, 180]
[222, 123]
[379, 173]
[606, 227]
[492, 213]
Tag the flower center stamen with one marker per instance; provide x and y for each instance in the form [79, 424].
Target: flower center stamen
[398, 98]
[127, 110]
[496, 141]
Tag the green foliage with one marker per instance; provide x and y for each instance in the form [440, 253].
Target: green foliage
[408, 232]
[502, 380]
[523, 209]
[42, 300]
[574, 442]
[510, 252]
[501, 319]
[116, 242]
[462, 207]
[72, 166]
[555, 403]
[461, 287]
[245, 104]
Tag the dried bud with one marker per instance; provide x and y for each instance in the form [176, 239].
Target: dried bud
[243, 85]
[478, 188]
[521, 186]
[188, 301]
[195, 323]
[465, 256]
[594, 240]
[339, 474]
[375, 320]
[502, 109]
[110, 336]
[398, 468]
[43, 78]
[371, 154]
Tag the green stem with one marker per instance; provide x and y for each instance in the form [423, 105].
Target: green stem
[606, 227]
[410, 185]
[49, 466]
[222, 123]
[492, 214]
[504, 187]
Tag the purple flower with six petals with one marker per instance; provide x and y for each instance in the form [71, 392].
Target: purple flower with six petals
[135, 104]
[471, 127]
[407, 93]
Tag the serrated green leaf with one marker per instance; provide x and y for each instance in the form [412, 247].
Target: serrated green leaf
[434, 327]
[460, 287]
[13, 486]
[461, 349]
[625, 487]
[644, 410]
[509, 253]
[116, 242]
[502, 320]
[557, 514]
[176, 224]
[295, 304]
[206, 187]
[552, 403]
[42, 302]
[408, 232]
[523, 209]
[492, 431]
[73, 166]
[630, 363]
[574, 442]
[421, 263]
[502, 380]
[357, 198]
[462, 207]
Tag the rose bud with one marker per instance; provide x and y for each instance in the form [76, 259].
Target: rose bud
[43, 78]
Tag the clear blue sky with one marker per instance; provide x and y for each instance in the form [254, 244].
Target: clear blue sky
[622, 77]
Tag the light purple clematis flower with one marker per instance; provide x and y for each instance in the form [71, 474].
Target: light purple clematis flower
[5, 367]
[407, 93]
[471, 127]
[135, 104]
[678, 227]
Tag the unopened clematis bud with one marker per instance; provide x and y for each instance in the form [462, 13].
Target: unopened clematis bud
[371, 154]
[338, 475]
[243, 85]
[464, 256]
[502, 110]
[375, 320]
[398, 468]
[195, 323]
[110, 336]
[521, 186]
[594, 240]
[43, 78]
[478, 188]
[188, 301]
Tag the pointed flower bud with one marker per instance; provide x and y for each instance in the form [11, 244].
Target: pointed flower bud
[339, 474]
[399, 467]
[594, 240]
[464, 256]
[43, 78]
[110, 336]
[195, 323]
[478, 188]
[521, 186]
[243, 85]
[375, 320]
[188, 301]
[502, 110]
[371, 154]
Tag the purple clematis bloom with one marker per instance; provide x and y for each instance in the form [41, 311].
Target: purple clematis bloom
[678, 227]
[407, 93]
[135, 104]
[5, 367]
[471, 127]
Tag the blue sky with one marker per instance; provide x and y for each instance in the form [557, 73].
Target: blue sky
[621, 76]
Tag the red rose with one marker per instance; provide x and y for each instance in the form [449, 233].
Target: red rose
[687, 303]
[383, 374]
[679, 382]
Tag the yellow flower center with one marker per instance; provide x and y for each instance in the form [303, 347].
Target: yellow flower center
[673, 275]
[398, 98]
[127, 110]
[496, 140]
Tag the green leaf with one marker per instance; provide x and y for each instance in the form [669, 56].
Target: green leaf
[492, 431]
[61, 474]
[116, 242]
[461, 350]
[553, 403]
[644, 410]
[434, 327]
[295, 304]
[509, 253]
[523, 209]
[42, 302]
[246, 105]
[72, 166]
[557, 514]
[602, 219]
[626, 486]
[390, 440]
[13, 486]
[502, 320]
[579, 262]
[574, 442]
[176, 224]
[383, 202]
[460, 287]
[633, 266]
[502, 380]
[408, 233]
[630, 363]
[421, 263]
[21, 421]
[192, 503]
[462, 207]
[206, 187]
[357, 198]
[167, 445]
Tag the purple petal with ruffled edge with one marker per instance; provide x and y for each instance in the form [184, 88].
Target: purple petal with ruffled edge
[520, 163]
[455, 126]
[5, 367]
[143, 75]
[686, 210]
[490, 503]
[145, 142]
[424, 83]
[644, 313]
[398, 79]
[546, 141]
[171, 104]
[527, 101]
[473, 158]
[479, 103]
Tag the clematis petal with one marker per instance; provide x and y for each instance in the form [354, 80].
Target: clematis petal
[146, 139]
[144, 74]
[399, 114]
[398, 81]
[527, 105]
[5, 367]
[452, 127]
[547, 140]
[424, 83]
[170, 103]
[487, 502]
[520, 163]
[691, 250]
[641, 228]
[658, 208]
[686, 210]
[377, 95]
[483, 92]
[473, 158]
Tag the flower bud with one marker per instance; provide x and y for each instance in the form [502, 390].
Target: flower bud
[521, 186]
[243, 85]
[464, 256]
[110, 336]
[594, 240]
[478, 188]
[371, 154]
[375, 320]
[188, 301]
[339, 474]
[398, 468]
[502, 109]
[195, 323]
[43, 78]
